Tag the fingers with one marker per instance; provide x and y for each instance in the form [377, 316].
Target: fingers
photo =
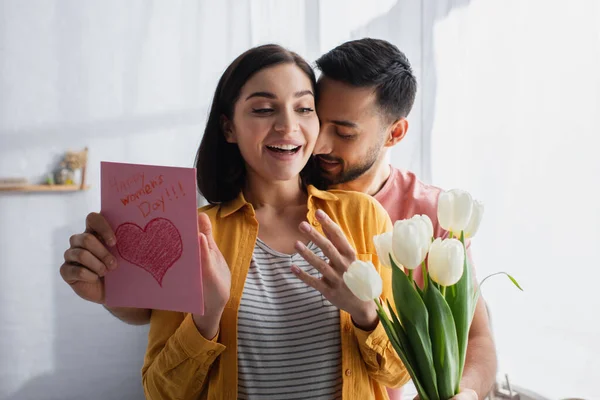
[82, 258]
[209, 265]
[318, 263]
[87, 259]
[89, 242]
[335, 234]
[205, 227]
[73, 273]
[310, 280]
[97, 224]
[205, 260]
[325, 245]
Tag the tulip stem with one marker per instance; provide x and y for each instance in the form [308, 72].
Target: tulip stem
[410, 276]
[424, 273]
[381, 311]
[379, 308]
[443, 290]
[386, 320]
[450, 234]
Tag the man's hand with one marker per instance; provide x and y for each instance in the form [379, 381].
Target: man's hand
[481, 362]
[466, 394]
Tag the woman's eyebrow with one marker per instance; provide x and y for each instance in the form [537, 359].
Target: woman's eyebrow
[269, 95]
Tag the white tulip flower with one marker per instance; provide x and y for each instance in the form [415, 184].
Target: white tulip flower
[363, 280]
[476, 216]
[446, 261]
[411, 240]
[454, 210]
[383, 245]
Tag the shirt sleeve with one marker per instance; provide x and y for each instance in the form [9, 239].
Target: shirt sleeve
[382, 361]
[178, 358]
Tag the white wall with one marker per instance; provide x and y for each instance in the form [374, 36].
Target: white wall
[518, 83]
[130, 80]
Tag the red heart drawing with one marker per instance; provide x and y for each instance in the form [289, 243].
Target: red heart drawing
[155, 248]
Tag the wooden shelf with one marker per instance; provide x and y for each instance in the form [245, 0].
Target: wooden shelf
[43, 188]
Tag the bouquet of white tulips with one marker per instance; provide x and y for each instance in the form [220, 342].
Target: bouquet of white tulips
[431, 327]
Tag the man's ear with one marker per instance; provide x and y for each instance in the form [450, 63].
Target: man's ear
[227, 128]
[397, 132]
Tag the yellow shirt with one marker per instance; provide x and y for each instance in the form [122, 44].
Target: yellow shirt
[181, 364]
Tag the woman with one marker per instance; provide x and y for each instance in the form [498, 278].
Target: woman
[279, 321]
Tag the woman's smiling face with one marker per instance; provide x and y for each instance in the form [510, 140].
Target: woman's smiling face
[274, 122]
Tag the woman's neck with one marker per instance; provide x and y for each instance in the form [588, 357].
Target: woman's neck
[278, 195]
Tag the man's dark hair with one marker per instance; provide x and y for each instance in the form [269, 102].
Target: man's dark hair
[374, 63]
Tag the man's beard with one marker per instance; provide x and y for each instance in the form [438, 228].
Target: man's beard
[347, 174]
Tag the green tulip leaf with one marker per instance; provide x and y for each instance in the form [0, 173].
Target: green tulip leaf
[443, 342]
[514, 281]
[407, 357]
[415, 320]
[477, 293]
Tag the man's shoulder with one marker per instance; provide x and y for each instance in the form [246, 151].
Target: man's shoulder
[407, 195]
[410, 181]
[404, 186]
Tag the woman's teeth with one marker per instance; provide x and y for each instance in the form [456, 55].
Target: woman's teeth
[284, 148]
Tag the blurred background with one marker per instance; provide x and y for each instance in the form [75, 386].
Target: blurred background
[508, 108]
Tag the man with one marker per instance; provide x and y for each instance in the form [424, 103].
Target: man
[365, 93]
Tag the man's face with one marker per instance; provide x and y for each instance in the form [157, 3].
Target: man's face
[352, 134]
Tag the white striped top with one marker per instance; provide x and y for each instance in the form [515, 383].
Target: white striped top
[289, 344]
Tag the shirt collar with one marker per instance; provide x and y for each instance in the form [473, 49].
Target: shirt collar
[239, 202]
[234, 205]
[320, 194]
